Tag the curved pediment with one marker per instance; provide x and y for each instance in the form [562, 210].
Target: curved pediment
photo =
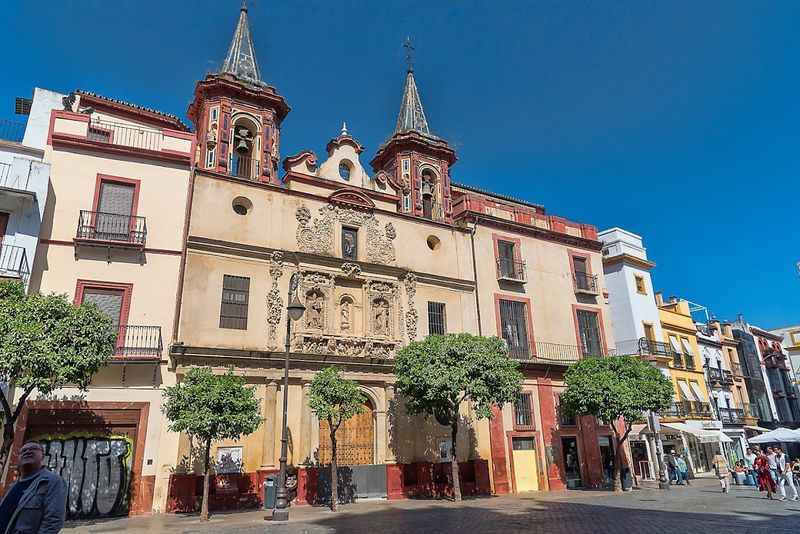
[351, 198]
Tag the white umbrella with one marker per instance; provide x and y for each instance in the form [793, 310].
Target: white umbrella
[779, 435]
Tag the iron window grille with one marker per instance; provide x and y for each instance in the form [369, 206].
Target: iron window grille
[523, 411]
[513, 323]
[437, 320]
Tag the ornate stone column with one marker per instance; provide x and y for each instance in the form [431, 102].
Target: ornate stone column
[389, 414]
[270, 424]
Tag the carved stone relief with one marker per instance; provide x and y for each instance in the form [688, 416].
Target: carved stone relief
[351, 270]
[315, 310]
[345, 314]
[316, 235]
[274, 300]
[412, 316]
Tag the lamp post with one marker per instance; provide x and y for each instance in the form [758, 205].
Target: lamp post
[294, 311]
[655, 426]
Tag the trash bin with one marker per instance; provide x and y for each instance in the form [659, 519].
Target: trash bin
[270, 491]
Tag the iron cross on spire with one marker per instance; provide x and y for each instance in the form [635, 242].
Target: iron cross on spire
[409, 53]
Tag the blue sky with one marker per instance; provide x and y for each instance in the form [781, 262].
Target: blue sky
[676, 120]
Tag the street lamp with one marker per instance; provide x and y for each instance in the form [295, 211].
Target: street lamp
[655, 426]
[294, 311]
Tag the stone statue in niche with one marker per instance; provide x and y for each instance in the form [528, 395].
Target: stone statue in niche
[380, 311]
[315, 316]
[345, 314]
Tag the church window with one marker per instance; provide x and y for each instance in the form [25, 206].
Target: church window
[406, 202]
[349, 243]
[344, 169]
[210, 156]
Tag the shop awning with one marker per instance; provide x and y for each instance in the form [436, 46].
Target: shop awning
[639, 428]
[756, 428]
[703, 436]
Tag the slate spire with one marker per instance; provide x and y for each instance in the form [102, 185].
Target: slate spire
[411, 116]
[241, 59]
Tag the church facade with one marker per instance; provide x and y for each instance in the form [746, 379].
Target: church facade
[388, 250]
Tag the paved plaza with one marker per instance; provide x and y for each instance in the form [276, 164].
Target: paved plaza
[699, 508]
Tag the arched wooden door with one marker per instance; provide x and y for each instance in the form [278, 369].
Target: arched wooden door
[355, 439]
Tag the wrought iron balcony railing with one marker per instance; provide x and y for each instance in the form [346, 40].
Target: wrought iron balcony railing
[544, 352]
[736, 369]
[508, 269]
[718, 376]
[14, 262]
[585, 283]
[688, 409]
[731, 416]
[112, 228]
[115, 133]
[247, 168]
[135, 341]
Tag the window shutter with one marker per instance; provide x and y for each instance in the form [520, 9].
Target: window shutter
[116, 198]
[109, 302]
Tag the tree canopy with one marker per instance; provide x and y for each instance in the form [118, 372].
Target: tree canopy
[211, 407]
[437, 374]
[333, 398]
[617, 387]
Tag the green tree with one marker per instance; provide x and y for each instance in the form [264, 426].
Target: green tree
[334, 399]
[438, 374]
[211, 407]
[46, 343]
[615, 389]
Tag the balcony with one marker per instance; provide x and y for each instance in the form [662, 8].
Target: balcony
[111, 229]
[510, 270]
[14, 263]
[688, 410]
[543, 352]
[731, 416]
[736, 370]
[719, 377]
[585, 283]
[136, 342]
[246, 168]
[78, 130]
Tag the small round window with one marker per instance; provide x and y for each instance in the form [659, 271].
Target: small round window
[434, 242]
[344, 170]
[242, 205]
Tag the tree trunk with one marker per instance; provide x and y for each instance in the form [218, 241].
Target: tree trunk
[454, 461]
[334, 473]
[619, 454]
[8, 441]
[204, 504]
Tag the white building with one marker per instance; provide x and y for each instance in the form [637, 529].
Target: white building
[791, 342]
[24, 184]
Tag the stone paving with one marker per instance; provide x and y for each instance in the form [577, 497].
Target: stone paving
[699, 508]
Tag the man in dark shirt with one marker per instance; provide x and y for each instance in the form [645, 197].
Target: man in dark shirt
[37, 501]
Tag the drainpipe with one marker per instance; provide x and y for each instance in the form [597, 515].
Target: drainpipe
[181, 272]
[475, 275]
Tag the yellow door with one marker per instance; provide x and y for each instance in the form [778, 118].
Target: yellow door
[526, 473]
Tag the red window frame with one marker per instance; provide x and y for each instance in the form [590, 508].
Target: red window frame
[107, 178]
[577, 254]
[529, 317]
[125, 309]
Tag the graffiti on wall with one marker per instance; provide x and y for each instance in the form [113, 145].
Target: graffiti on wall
[97, 470]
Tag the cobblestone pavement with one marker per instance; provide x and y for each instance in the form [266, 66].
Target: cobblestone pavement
[699, 508]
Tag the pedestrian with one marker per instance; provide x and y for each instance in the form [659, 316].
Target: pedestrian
[37, 501]
[796, 471]
[784, 474]
[763, 474]
[721, 470]
[773, 464]
[749, 458]
[683, 470]
[672, 467]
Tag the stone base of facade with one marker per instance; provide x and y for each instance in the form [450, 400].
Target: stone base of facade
[245, 491]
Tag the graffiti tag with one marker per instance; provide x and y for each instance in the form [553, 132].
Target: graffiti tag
[97, 471]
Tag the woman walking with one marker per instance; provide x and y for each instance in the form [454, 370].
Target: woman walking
[763, 474]
[722, 471]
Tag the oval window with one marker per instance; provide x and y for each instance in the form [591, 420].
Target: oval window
[241, 205]
[434, 242]
[344, 170]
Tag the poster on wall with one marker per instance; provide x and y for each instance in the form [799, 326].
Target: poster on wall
[97, 470]
[229, 460]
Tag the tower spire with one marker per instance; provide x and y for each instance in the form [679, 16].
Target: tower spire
[411, 116]
[241, 59]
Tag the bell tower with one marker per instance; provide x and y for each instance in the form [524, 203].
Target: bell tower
[237, 116]
[416, 161]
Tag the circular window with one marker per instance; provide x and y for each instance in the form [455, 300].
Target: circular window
[242, 205]
[434, 242]
[344, 169]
